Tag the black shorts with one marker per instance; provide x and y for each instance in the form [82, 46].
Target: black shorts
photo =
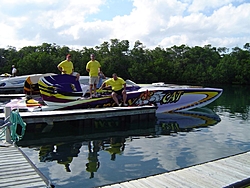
[119, 92]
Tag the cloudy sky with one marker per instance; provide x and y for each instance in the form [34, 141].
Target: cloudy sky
[164, 23]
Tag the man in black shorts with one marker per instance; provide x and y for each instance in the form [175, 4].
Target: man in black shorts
[118, 88]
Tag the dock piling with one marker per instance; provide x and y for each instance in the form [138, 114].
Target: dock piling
[7, 111]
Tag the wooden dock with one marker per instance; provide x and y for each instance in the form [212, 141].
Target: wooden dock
[231, 172]
[17, 171]
[134, 113]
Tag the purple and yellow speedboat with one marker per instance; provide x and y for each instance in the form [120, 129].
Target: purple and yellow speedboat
[58, 92]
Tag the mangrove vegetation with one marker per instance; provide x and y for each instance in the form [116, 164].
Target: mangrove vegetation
[178, 64]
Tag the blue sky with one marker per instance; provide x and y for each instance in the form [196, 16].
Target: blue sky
[111, 9]
[155, 23]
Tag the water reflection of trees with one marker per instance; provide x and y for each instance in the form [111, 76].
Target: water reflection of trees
[234, 100]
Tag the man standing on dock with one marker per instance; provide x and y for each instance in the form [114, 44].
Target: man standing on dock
[118, 88]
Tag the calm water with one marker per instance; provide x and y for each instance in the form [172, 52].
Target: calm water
[112, 152]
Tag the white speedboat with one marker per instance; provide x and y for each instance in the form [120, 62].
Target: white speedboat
[5, 75]
[12, 84]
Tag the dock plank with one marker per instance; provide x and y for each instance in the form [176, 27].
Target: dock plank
[208, 177]
[193, 179]
[156, 182]
[11, 175]
[24, 183]
[126, 185]
[226, 169]
[181, 180]
[16, 171]
[136, 183]
[167, 181]
[147, 183]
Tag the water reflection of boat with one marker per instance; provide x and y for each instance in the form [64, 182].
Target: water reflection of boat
[36, 134]
[168, 123]
[62, 143]
[164, 123]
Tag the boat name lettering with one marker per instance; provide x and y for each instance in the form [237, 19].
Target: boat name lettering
[172, 97]
[99, 124]
[170, 126]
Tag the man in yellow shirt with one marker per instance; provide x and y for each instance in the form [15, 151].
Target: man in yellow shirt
[118, 88]
[93, 67]
[66, 67]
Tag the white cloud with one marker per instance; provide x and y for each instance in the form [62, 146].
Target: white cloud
[200, 5]
[153, 22]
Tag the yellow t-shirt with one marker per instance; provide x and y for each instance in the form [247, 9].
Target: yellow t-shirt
[66, 66]
[115, 84]
[93, 66]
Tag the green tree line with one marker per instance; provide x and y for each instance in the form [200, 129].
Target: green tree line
[177, 64]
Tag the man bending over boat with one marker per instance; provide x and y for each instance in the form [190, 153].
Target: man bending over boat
[118, 88]
[67, 67]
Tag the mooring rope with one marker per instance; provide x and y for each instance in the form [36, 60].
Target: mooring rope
[15, 120]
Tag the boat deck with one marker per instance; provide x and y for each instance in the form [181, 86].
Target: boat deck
[233, 171]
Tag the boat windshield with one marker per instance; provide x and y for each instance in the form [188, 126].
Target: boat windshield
[131, 83]
[85, 80]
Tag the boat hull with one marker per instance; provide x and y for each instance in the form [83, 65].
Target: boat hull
[179, 99]
[14, 85]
